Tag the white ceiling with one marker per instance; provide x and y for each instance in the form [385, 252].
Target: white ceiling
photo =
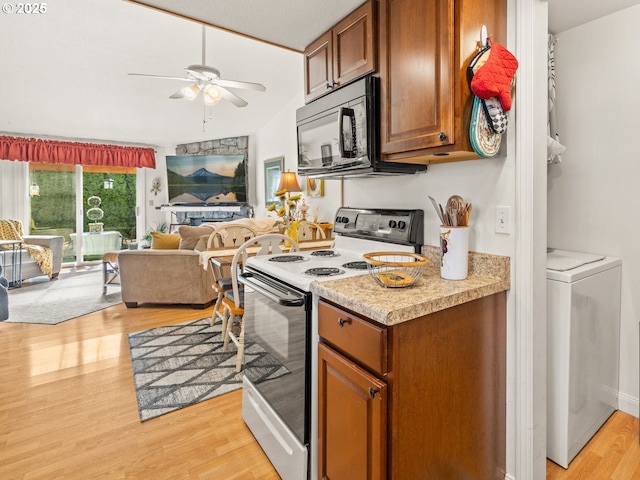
[290, 23]
[64, 73]
[566, 14]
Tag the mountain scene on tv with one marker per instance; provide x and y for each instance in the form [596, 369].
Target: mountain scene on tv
[207, 178]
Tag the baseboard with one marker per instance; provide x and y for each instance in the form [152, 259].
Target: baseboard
[628, 404]
[508, 477]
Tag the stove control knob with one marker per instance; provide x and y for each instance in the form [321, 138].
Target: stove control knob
[402, 225]
[392, 223]
[344, 219]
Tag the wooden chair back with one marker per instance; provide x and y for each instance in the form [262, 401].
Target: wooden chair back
[309, 231]
[270, 243]
[230, 236]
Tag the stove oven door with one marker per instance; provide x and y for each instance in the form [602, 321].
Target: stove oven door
[277, 410]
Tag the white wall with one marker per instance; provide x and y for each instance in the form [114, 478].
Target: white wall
[278, 138]
[150, 217]
[593, 193]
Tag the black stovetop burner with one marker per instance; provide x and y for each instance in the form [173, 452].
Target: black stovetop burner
[325, 253]
[324, 271]
[287, 259]
[361, 265]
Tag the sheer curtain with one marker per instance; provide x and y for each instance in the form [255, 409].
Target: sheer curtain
[14, 191]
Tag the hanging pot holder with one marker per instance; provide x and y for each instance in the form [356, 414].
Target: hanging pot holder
[484, 140]
[496, 116]
[498, 119]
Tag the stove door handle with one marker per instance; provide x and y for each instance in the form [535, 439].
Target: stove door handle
[292, 300]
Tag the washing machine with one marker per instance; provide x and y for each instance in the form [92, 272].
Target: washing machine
[583, 338]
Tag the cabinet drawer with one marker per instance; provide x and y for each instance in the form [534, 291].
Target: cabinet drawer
[363, 341]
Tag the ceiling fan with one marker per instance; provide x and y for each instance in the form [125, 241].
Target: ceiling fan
[205, 79]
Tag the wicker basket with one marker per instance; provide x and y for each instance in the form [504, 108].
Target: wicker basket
[395, 269]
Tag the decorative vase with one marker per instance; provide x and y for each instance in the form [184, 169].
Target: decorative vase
[292, 232]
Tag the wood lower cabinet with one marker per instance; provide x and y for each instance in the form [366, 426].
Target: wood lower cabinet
[424, 49]
[422, 399]
[352, 420]
[341, 55]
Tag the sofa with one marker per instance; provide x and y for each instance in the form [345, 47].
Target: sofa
[30, 267]
[170, 272]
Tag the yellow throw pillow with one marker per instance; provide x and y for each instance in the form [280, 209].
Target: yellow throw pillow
[164, 241]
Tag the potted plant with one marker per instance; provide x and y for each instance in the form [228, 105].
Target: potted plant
[145, 241]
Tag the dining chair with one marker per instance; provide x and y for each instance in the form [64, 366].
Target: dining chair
[233, 301]
[224, 238]
[230, 236]
[308, 231]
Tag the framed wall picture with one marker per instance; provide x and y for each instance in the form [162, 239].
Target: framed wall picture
[272, 170]
[315, 187]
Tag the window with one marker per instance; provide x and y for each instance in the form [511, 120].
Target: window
[58, 192]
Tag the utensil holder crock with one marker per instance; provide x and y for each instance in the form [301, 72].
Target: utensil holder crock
[454, 252]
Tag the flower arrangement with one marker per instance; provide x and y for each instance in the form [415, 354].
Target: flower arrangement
[287, 211]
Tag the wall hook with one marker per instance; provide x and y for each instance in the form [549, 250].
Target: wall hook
[484, 38]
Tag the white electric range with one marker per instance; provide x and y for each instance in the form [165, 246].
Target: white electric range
[281, 316]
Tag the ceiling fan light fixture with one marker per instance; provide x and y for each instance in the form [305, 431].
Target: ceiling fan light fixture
[212, 95]
[191, 91]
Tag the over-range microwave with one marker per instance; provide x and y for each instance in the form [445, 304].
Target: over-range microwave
[339, 134]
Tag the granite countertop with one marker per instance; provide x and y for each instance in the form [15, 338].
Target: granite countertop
[488, 274]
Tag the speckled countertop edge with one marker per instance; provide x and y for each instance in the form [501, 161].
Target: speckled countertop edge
[488, 274]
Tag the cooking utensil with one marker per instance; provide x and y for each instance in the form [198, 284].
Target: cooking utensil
[453, 216]
[456, 202]
[437, 208]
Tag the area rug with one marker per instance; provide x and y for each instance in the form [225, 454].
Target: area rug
[74, 293]
[183, 364]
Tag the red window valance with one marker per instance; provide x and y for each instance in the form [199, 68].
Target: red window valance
[52, 151]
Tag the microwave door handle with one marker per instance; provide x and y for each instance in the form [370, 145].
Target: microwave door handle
[346, 112]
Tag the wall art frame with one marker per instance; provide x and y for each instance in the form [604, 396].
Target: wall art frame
[315, 187]
[272, 171]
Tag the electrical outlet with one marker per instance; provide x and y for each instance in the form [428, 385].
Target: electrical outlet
[151, 203]
[503, 220]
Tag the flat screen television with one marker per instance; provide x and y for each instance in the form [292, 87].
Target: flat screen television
[207, 179]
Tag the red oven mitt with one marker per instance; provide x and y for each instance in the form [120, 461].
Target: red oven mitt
[493, 79]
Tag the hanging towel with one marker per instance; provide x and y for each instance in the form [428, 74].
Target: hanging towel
[554, 148]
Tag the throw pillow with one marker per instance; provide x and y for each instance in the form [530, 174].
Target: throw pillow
[201, 246]
[189, 236]
[165, 241]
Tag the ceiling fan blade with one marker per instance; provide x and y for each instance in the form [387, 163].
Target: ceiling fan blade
[245, 85]
[233, 98]
[161, 76]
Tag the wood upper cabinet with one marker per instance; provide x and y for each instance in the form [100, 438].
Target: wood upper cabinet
[422, 399]
[424, 49]
[341, 55]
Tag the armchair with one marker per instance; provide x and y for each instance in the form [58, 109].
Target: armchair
[40, 254]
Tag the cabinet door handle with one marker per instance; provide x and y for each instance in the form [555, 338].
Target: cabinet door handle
[442, 137]
[331, 85]
[373, 391]
[343, 321]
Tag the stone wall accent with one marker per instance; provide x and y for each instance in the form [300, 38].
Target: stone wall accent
[221, 146]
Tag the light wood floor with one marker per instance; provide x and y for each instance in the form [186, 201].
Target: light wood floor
[68, 411]
[68, 408]
[612, 454]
